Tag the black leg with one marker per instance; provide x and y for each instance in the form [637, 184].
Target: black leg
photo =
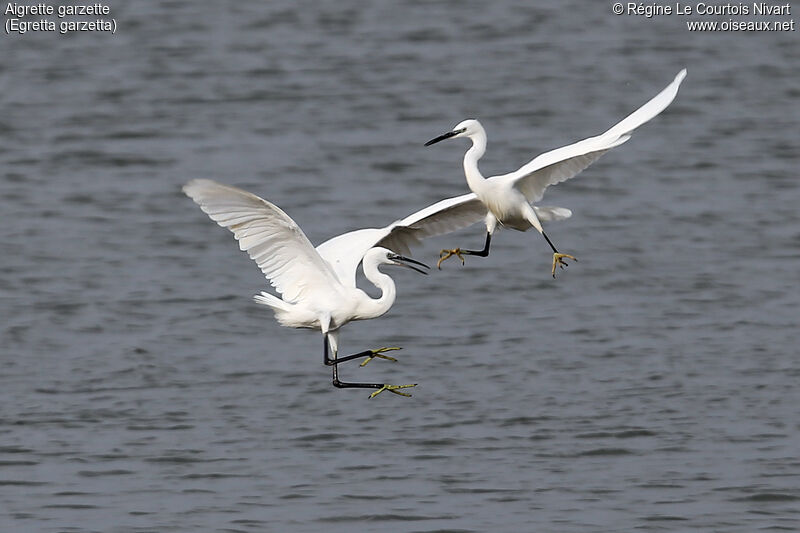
[550, 243]
[333, 362]
[348, 385]
[485, 251]
[371, 354]
[458, 252]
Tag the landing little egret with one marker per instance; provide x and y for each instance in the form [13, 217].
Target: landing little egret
[508, 197]
[318, 286]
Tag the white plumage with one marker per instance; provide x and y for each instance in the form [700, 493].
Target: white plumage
[507, 198]
[318, 285]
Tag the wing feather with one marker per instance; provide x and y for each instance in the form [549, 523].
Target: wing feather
[566, 162]
[268, 235]
[445, 216]
[344, 252]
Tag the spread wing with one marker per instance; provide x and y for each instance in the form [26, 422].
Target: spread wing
[345, 252]
[272, 239]
[566, 162]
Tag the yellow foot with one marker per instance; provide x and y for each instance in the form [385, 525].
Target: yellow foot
[393, 389]
[447, 254]
[379, 353]
[558, 259]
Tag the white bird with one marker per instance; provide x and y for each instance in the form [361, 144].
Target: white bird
[508, 197]
[318, 286]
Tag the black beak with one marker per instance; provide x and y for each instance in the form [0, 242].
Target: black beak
[444, 136]
[400, 260]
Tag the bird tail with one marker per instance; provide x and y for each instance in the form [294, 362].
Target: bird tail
[272, 301]
[550, 213]
[281, 309]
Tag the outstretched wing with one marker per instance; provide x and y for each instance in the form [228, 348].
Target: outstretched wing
[272, 239]
[345, 252]
[566, 162]
[445, 216]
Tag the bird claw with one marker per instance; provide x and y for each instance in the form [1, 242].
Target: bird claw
[447, 254]
[558, 259]
[379, 354]
[393, 389]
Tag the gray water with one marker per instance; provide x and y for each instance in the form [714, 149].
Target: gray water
[652, 387]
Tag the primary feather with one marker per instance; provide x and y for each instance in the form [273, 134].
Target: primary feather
[566, 162]
[272, 239]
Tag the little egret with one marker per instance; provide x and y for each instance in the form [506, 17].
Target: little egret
[318, 286]
[508, 197]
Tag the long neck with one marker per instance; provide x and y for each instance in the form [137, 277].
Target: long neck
[371, 308]
[475, 179]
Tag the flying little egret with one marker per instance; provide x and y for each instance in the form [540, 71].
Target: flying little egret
[508, 197]
[318, 286]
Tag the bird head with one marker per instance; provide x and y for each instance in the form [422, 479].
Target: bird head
[465, 128]
[384, 256]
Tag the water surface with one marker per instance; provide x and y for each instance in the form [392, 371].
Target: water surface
[651, 387]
